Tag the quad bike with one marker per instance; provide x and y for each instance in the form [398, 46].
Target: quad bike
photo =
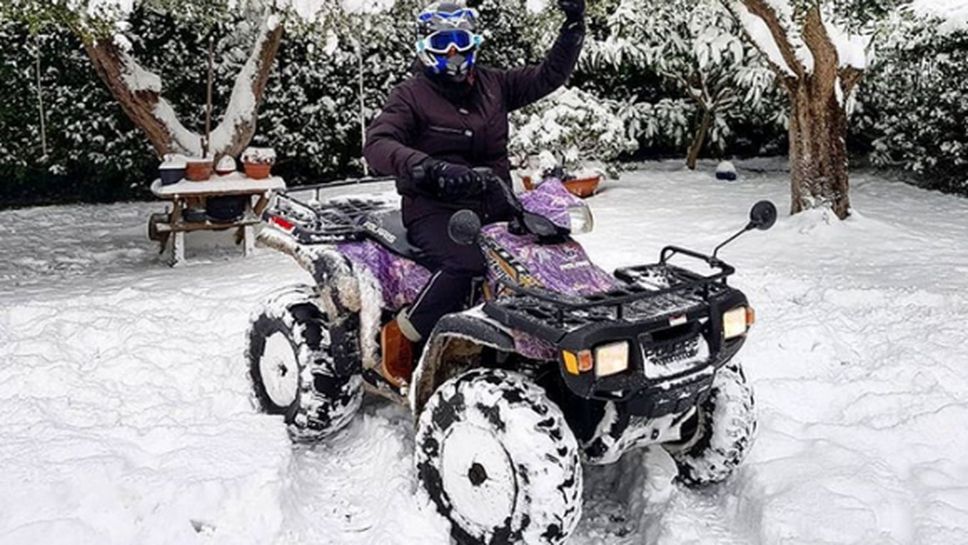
[555, 364]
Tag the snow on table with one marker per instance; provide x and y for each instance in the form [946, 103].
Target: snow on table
[124, 412]
[233, 184]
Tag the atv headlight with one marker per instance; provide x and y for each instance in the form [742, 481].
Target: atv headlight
[737, 322]
[581, 219]
[611, 359]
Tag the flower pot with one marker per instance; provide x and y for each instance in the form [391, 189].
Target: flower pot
[580, 187]
[172, 170]
[198, 170]
[226, 209]
[584, 187]
[226, 166]
[171, 175]
[258, 171]
[195, 214]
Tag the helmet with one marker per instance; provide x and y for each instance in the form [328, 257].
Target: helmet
[448, 41]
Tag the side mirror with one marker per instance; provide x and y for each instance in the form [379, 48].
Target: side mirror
[762, 216]
[464, 227]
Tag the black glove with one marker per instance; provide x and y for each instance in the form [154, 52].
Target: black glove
[452, 181]
[574, 9]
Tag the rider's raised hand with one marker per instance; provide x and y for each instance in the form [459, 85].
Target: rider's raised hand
[574, 9]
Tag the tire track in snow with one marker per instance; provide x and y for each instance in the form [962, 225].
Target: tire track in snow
[358, 486]
[123, 414]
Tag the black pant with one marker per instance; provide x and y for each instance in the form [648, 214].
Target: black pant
[454, 266]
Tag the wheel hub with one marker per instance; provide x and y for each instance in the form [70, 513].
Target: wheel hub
[478, 476]
[279, 370]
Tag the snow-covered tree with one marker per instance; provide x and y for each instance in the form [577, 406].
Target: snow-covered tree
[695, 45]
[102, 25]
[818, 50]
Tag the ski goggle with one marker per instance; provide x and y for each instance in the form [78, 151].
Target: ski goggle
[443, 41]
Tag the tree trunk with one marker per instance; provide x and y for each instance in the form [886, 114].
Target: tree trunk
[818, 125]
[139, 95]
[818, 151]
[699, 139]
[40, 104]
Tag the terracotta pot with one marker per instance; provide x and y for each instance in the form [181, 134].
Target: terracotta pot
[198, 171]
[584, 187]
[258, 171]
[579, 187]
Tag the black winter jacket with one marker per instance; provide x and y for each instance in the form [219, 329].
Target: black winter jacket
[468, 125]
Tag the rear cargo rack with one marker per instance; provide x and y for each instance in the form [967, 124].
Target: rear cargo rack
[323, 222]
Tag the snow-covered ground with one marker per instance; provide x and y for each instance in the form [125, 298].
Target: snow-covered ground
[124, 413]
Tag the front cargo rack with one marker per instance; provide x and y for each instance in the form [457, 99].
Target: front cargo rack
[647, 293]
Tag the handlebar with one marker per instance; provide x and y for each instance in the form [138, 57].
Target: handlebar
[419, 175]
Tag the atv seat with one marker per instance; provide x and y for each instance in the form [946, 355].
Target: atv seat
[387, 229]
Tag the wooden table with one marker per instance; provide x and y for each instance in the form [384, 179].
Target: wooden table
[169, 228]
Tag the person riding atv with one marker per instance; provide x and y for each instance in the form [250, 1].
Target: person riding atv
[436, 127]
[545, 364]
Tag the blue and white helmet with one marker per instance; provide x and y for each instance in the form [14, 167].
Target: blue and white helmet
[448, 39]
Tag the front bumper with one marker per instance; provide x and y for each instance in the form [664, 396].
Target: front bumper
[656, 396]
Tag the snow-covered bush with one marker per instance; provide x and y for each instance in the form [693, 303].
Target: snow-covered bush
[697, 47]
[572, 125]
[916, 106]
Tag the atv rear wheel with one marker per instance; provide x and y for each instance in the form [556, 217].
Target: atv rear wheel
[497, 459]
[292, 368]
[725, 425]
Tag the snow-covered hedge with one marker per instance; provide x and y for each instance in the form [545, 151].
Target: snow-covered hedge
[574, 126]
[915, 106]
[310, 114]
[911, 105]
[93, 151]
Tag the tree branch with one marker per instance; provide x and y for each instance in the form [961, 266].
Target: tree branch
[825, 57]
[762, 10]
[849, 79]
[139, 94]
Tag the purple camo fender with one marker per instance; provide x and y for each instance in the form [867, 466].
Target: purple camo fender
[564, 268]
[400, 280]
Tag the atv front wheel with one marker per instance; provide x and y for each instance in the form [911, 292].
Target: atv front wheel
[497, 459]
[724, 428]
[292, 367]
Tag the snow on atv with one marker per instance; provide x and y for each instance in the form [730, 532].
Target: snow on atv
[556, 363]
